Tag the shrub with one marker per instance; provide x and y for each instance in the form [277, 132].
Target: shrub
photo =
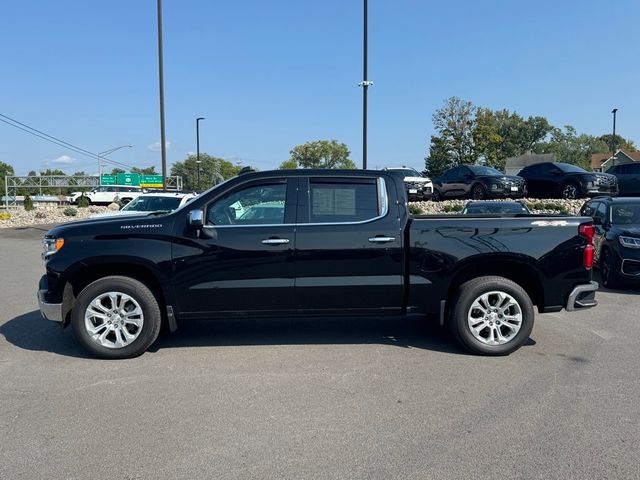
[553, 206]
[83, 202]
[28, 203]
[41, 215]
[452, 208]
[5, 216]
[415, 210]
[70, 212]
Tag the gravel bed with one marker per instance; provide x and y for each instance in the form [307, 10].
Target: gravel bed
[55, 214]
[46, 214]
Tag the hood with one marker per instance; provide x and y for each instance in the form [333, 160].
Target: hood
[117, 212]
[627, 230]
[503, 178]
[109, 224]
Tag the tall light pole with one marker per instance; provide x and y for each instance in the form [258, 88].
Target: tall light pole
[163, 144]
[198, 149]
[613, 139]
[101, 155]
[365, 84]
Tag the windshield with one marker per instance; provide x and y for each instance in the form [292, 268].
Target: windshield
[152, 204]
[625, 214]
[407, 172]
[496, 208]
[569, 168]
[480, 170]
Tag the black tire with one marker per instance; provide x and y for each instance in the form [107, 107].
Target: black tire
[136, 290]
[478, 192]
[570, 191]
[436, 196]
[461, 308]
[610, 277]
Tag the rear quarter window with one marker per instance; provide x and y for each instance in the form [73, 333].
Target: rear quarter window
[332, 201]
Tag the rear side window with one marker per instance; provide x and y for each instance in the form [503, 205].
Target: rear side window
[334, 201]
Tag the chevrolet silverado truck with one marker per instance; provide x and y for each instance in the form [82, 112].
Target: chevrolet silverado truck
[312, 242]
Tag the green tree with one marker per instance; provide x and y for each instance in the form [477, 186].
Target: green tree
[145, 171]
[51, 171]
[455, 122]
[6, 170]
[116, 171]
[213, 170]
[79, 174]
[620, 144]
[439, 158]
[319, 154]
[571, 147]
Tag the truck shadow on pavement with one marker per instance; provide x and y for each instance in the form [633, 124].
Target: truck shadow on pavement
[30, 332]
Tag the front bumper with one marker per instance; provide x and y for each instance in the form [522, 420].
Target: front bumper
[500, 191]
[50, 311]
[582, 297]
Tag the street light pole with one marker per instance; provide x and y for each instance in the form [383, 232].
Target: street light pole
[198, 149]
[101, 155]
[365, 84]
[163, 144]
[613, 139]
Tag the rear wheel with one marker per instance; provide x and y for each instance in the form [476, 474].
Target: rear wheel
[478, 192]
[491, 316]
[436, 197]
[570, 191]
[116, 317]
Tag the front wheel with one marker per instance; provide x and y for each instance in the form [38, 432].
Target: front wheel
[570, 191]
[491, 316]
[610, 276]
[436, 196]
[116, 317]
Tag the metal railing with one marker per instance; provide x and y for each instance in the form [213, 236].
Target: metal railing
[46, 182]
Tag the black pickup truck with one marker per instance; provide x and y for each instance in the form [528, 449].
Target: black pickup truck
[312, 242]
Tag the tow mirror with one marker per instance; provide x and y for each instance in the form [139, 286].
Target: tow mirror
[195, 218]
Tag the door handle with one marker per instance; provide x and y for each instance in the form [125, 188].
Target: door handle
[275, 241]
[382, 239]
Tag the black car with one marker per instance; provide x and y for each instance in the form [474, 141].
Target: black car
[628, 176]
[495, 208]
[478, 182]
[617, 238]
[564, 180]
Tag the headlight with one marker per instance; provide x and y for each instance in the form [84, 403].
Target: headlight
[51, 246]
[630, 242]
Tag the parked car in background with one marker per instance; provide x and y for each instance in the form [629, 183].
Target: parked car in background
[418, 186]
[564, 180]
[478, 182]
[151, 202]
[616, 239]
[106, 194]
[495, 208]
[628, 176]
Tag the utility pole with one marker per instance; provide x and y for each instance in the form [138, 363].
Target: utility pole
[613, 139]
[365, 84]
[198, 149]
[163, 143]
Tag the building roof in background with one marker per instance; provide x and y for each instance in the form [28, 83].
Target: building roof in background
[597, 159]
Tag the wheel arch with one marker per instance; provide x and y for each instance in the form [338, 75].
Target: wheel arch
[514, 269]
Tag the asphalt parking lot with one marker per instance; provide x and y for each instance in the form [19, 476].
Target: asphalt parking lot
[324, 398]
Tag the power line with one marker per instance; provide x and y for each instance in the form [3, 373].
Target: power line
[57, 141]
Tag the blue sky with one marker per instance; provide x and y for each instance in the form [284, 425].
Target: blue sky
[268, 75]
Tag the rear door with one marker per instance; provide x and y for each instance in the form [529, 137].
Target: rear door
[348, 245]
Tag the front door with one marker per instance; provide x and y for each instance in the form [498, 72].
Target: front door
[348, 246]
[242, 259]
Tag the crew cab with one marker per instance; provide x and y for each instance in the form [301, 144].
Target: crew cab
[319, 242]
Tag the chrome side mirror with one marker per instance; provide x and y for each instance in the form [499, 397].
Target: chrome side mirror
[195, 218]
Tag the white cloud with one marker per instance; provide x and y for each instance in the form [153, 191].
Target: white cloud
[155, 147]
[64, 160]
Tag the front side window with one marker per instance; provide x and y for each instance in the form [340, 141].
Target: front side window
[256, 204]
[336, 201]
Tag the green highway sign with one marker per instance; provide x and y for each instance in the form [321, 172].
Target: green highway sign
[108, 180]
[128, 179]
[151, 181]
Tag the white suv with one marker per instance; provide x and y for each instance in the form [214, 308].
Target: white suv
[106, 194]
[151, 202]
[418, 186]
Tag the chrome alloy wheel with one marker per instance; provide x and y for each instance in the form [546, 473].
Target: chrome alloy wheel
[495, 318]
[113, 319]
[570, 191]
